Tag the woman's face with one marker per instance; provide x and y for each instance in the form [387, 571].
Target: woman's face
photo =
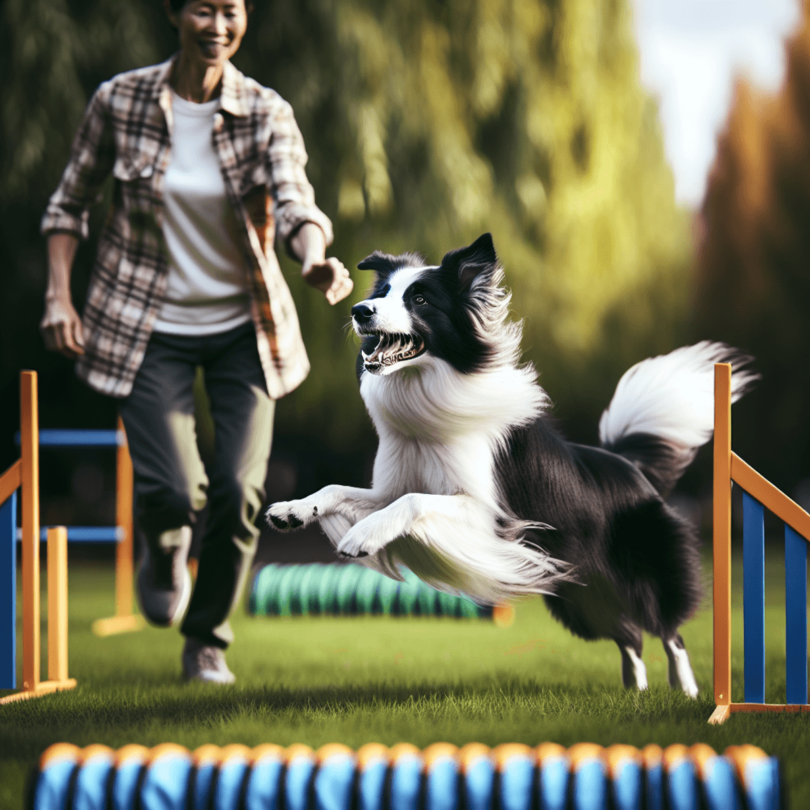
[210, 31]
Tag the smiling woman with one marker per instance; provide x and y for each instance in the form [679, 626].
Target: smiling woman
[210, 33]
[209, 169]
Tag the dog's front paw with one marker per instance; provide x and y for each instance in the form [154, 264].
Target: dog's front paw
[345, 556]
[360, 541]
[288, 515]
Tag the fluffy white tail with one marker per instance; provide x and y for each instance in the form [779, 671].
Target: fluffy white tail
[663, 408]
[672, 396]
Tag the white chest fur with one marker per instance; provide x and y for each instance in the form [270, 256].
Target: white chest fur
[439, 430]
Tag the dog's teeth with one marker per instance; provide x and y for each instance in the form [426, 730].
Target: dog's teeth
[392, 348]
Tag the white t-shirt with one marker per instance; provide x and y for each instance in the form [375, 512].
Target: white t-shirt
[207, 289]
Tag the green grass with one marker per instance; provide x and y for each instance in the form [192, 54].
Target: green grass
[420, 680]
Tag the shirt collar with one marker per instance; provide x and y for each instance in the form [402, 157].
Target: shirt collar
[233, 98]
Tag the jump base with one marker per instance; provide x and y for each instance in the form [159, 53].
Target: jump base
[114, 625]
[44, 688]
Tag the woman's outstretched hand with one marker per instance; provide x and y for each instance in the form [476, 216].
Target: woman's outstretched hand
[330, 277]
[327, 275]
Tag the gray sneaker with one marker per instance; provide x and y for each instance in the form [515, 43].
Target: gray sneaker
[205, 663]
[164, 582]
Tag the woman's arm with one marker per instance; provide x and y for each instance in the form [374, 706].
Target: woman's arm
[300, 225]
[329, 276]
[92, 156]
[66, 221]
[61, 326]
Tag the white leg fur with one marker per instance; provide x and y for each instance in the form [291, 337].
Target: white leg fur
[467, 555]
[337, 509]
[351, 503]
[634, 673]
[466, 552]
[679, 670]
[400, 519]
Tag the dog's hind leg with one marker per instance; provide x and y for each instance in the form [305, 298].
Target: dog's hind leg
[634, 673]
[679, 670]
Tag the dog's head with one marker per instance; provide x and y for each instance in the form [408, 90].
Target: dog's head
[418, 312]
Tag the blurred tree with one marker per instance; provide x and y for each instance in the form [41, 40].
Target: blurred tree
[427, 123]
[752, 283]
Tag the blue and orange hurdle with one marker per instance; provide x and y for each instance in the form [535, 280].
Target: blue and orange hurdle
[442, 777]
[758, 494]
[23, 476]
[125, 619]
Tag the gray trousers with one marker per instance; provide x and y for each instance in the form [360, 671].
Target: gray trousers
[171, 483]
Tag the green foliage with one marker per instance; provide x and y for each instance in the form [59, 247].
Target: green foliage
[427, 123]
[59, 51]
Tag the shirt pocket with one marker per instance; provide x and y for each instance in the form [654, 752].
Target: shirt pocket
[134, 176]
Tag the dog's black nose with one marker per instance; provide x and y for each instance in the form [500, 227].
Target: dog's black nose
[362, 313]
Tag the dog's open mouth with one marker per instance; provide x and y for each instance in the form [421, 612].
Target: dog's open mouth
[392, 349]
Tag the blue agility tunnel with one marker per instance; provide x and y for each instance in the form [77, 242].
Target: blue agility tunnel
[442, 777]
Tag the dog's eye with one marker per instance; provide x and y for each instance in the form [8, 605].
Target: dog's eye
[419, 300]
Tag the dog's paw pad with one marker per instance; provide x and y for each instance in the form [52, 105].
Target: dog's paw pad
[277, 522]
[346, 556]
[286, 521]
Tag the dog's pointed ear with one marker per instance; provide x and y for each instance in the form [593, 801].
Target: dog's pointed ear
[380, 262]
[471, 261]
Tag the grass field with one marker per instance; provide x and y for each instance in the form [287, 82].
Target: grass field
[420, 680]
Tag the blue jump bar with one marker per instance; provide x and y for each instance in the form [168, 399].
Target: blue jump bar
[8, 594]
[754, 598]
[78, 438]
[85, 534]
[796, 616]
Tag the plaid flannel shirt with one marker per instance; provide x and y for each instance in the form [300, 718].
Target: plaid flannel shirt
[127, 130]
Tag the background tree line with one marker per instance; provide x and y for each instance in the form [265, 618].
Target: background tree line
[752, 269]
[427, 122]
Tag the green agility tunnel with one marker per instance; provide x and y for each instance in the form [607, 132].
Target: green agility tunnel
[442, 777]
[350, 590]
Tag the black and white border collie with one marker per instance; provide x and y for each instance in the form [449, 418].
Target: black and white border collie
[475, 489]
